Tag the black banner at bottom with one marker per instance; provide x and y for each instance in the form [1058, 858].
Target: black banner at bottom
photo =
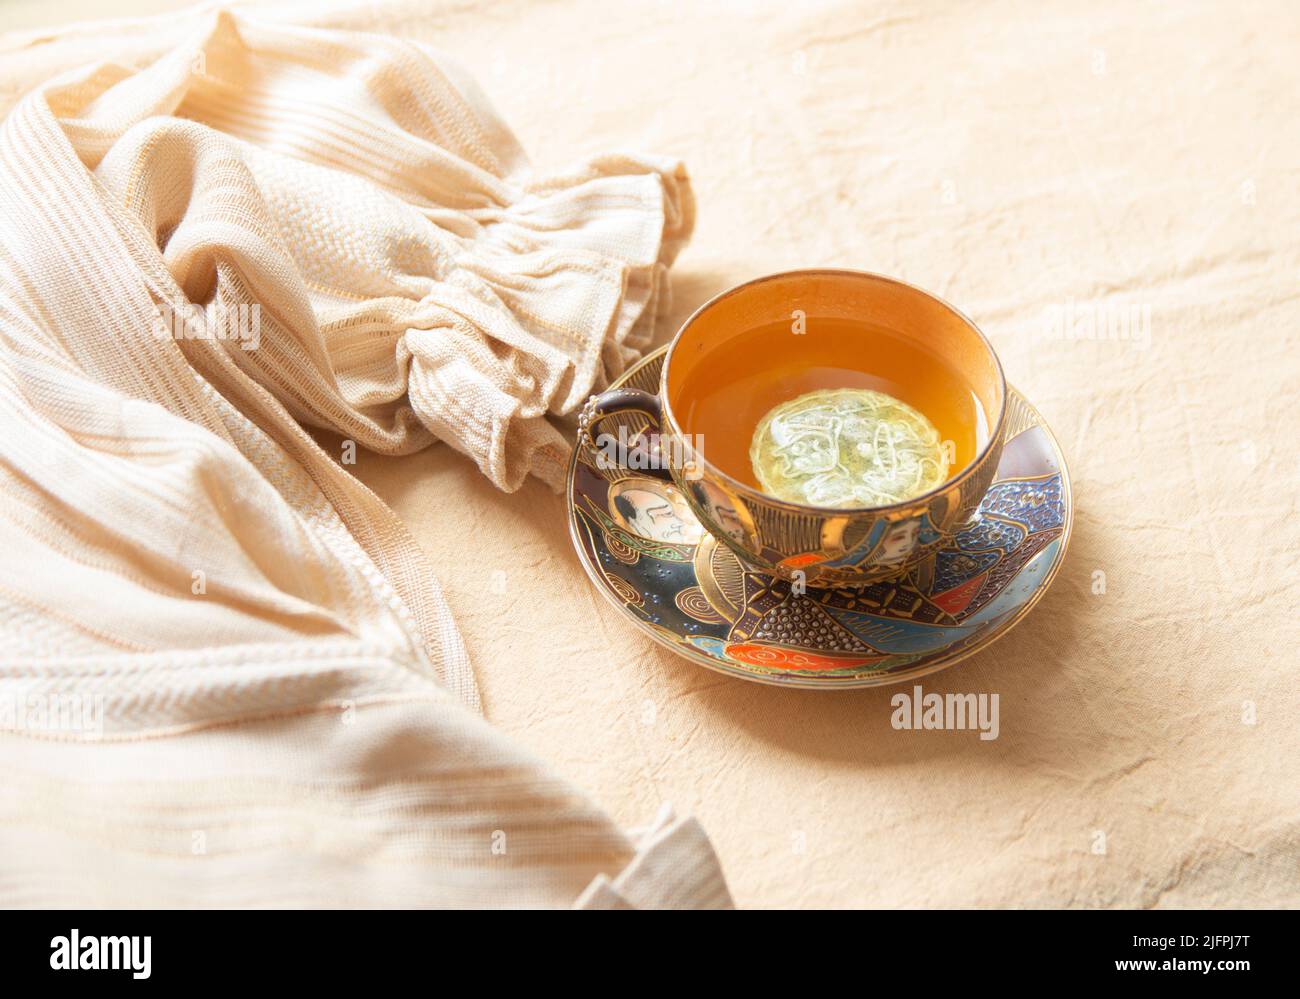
[337, 949]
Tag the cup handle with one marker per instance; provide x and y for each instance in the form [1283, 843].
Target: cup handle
[626, 400]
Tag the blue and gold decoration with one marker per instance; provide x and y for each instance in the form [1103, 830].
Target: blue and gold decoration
[640, 543]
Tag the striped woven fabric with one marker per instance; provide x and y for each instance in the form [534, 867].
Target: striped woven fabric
[227, 674]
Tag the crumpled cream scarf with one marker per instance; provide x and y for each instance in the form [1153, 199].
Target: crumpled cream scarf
[227, 675]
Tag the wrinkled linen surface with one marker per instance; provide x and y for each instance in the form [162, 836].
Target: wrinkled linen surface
[227, 673]
[1018, 159]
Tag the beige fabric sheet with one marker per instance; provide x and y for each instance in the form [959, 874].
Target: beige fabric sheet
[1021, 160]
[227, 674]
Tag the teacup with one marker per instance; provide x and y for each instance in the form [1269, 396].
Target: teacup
[929, 341]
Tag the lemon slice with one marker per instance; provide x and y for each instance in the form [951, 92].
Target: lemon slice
[847, 447]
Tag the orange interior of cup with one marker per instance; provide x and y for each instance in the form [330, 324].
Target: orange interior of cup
[774, 338]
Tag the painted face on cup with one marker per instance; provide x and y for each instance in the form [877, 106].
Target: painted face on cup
[656, 511]
[899, 542]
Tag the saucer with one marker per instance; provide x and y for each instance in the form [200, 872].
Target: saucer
[683, 588]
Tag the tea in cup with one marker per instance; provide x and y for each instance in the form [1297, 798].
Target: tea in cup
[831, 427]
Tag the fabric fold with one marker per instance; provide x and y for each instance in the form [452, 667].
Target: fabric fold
[670, 870]
[381, 174]
[209, 629]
